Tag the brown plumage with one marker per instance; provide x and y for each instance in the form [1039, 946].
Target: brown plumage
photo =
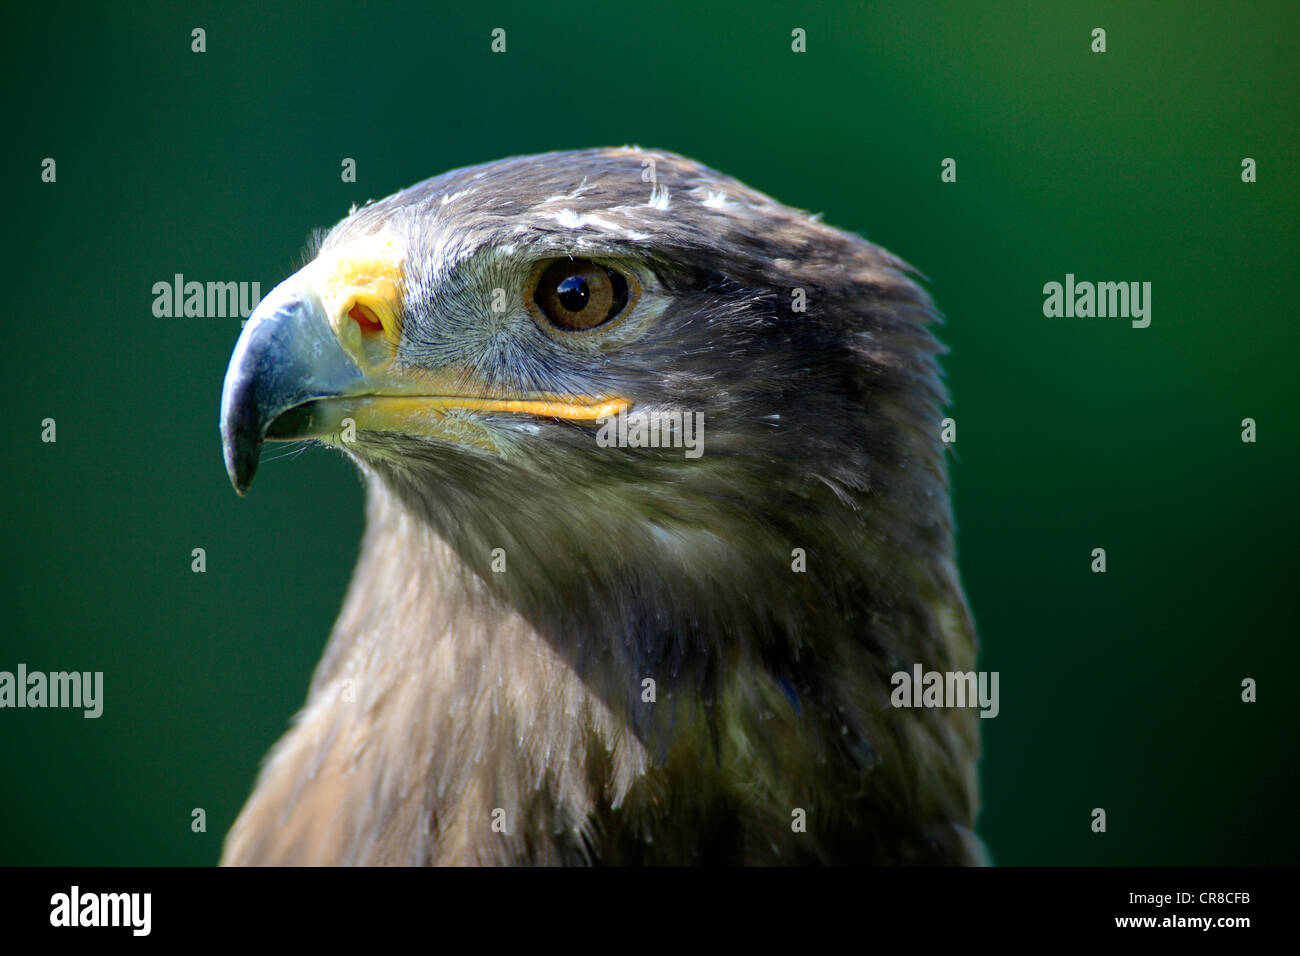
[483, 696]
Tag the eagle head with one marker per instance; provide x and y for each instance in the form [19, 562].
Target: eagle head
[657, 506]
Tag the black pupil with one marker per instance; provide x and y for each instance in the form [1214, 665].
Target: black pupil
[573, 293]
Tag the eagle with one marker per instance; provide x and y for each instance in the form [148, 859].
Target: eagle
[657, 508]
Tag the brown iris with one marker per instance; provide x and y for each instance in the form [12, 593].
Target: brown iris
[577, 294]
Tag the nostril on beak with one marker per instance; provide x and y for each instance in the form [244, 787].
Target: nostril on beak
[365, 319]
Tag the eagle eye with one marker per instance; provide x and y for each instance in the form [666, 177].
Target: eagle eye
[577, 294]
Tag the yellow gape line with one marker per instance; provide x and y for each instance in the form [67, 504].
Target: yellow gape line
[394, 412]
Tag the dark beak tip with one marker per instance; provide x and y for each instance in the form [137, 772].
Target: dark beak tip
[241, 455]
[241, 477]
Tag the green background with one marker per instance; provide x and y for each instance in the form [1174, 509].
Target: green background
[1119, 690]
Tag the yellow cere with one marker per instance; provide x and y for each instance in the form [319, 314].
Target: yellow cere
[366, 272]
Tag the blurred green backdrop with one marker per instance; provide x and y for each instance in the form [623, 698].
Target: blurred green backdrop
[1119, 690]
